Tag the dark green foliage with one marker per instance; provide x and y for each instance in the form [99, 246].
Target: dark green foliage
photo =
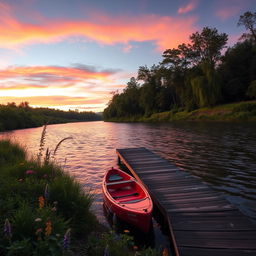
[207, 45]
[116, 245]
[237, 71]
[245, 107]
[23, 116]
[9, 154]
[251, 91]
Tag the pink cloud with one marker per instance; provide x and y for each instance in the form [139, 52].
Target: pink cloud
[164, 31]
[127, 48]
[188, 7]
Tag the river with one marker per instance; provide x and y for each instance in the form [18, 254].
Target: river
[221, 154]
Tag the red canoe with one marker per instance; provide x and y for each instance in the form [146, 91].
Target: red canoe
[127, 198]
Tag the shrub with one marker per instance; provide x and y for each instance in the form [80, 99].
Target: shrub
[245, 107]
[251, 91]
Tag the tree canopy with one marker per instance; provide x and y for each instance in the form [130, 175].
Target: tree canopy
[248, 20]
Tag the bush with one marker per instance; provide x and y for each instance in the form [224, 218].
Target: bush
[245, 107]
[10, 153]
[251, 91]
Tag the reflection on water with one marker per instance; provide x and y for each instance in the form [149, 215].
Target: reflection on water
[221, 154]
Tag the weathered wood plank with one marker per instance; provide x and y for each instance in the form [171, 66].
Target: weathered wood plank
[201, 221]
[190, 251]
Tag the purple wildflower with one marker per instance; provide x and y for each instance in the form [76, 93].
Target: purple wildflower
[106, 251]
[66, 240]
[7, 228]
[46, 191]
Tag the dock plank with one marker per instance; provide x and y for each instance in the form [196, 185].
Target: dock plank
[201, 221]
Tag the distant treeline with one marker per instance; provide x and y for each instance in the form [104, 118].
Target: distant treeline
[193, 75]
[24, 116]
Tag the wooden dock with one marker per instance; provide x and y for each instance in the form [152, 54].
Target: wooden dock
[201, 221]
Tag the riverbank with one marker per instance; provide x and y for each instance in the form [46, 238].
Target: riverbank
[47, 212]
[242, 111]
[23, 116]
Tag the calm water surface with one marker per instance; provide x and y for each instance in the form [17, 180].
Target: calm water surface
[221, 154]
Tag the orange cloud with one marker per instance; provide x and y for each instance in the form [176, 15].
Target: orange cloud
[164, 31]
[53, 74]
[188, 7]
[59, 87]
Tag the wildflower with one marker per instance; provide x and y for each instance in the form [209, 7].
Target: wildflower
[135, 248]
[38, 220]
[126, 231]
[28, 172]
[41, 202]
[165, 252]
[7, 228]
[54, 209]
[66, 240]
[106, 251]
[39, 233]
[48, 229]
[20, 180]
[46, 191]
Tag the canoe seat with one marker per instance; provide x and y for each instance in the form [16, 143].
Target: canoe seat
[115, 177]
[133, 194]
[133, 201]
[118, 182]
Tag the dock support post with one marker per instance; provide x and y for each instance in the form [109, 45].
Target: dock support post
[119, 160]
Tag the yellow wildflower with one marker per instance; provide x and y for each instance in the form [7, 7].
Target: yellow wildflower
[48, 229]
[41, 202]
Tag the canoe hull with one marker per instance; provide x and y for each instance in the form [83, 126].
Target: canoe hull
[142, 221]
[129, 200]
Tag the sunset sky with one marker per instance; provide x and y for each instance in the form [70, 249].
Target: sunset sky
[71, 54]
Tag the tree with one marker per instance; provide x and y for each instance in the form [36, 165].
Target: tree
[177, 59]
[24, 105]
[248, 20]
[207, 45]
[238, 69]
[152, 85]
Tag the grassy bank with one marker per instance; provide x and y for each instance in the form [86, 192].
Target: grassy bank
[44, 211]
[42, 207]
[242, 111]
